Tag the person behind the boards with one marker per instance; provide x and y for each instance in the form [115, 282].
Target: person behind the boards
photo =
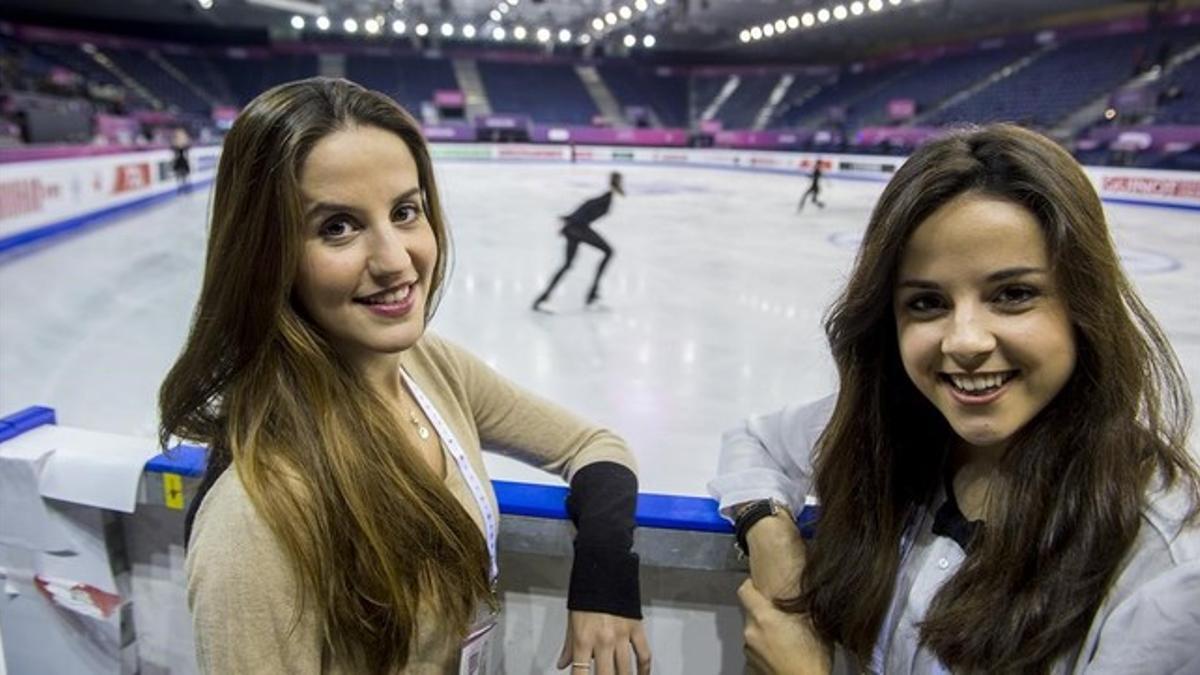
[346, 523]
[1002, 478]
[577, 228]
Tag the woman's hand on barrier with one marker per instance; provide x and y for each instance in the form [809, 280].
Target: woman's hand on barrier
[612, 642]
[778, 642]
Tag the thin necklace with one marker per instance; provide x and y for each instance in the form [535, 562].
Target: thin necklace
[422, 430]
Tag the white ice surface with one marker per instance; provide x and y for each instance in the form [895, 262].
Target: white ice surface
[716, 292]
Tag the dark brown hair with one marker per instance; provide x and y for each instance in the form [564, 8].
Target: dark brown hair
[1066, 505]
[371, 532]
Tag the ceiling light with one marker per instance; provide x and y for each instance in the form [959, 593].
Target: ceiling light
[350, 26]
[323, 23]
[780, 26]
[839, 12]
[894, 2]
[371, 26]
[649, 41]
[630, 41]
[585, 39]
[495, 15]
[768, 30]
[503, 9]
[793, 22]
[875, 5]
[625, 12]
[641, 5]
[756, 33]
[543, 34]
[498, 33]
[744, 36]
[422, 30]
[856, 8]
[468, 31]
[598, 23]
[610, 18]
[564, 35]
[298, 22]
[513, 2]
[398, 27]
[823, 15]
[808, 19]
[447, 29]
[519, 32]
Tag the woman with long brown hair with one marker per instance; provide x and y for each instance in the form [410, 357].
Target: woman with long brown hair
[346, 523]
[1003, 479]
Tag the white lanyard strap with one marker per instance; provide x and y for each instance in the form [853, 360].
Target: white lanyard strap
[490, 524]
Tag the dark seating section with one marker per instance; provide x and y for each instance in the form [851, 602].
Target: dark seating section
[411, 80]
[1058, 82]
[931, 83]
[743, 106]
[203, 73]
[551, 93]
[1179, 95]
[249, 76]
[173, 93]
[658, 89]
[799, 109]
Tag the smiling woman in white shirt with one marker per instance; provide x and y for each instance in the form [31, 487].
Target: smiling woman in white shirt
[1003, 479]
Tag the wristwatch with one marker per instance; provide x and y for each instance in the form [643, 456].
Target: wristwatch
[749, 514]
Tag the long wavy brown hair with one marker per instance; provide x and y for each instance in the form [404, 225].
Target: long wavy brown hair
[1065, 509]
[371, 531]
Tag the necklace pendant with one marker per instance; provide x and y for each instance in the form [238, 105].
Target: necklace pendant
[423, 433]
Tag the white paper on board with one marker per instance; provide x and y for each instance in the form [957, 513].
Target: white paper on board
[25, 519]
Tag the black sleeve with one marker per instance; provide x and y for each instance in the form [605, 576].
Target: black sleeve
[604, 576]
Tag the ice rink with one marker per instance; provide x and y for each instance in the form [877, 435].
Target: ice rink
[715, 299]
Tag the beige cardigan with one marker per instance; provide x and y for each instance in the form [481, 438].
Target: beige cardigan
[241, 589]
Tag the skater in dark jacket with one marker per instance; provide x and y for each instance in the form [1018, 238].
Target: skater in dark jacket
[577, 228]
[814, 188]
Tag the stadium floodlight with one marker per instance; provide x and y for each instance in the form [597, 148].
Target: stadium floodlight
[625, 12]
[298, 22]
[543, 34]
[641, 5]
[659, 2]
[371, 26]
[756, 33]
[768, 29]
[780, 26]
[856, 8]
[564, 35]
[322, 23]
[808, 19]
[630, 41]
[649, 41]
[495, 15]
[598, 23]
[398, 27]
[468, 31]
[503, 9]
[422, 30]
[519, 32]
[839, 12]
[610, 18]
[744, 36]
[585, 39]
[513, 2]
[823, 15]
[894, 2]
[398, 4]
[875, 5]
[293, 6]
[498, 33]
[205, 4]
[447, 29]
[793, 22]
[350, 26]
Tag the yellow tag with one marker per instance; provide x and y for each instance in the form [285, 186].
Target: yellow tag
[173, 491]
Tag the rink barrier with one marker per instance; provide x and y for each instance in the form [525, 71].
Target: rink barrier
[526, 500]
[41, 201]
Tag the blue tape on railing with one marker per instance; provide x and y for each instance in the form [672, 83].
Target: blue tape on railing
[675, 512]
[528, 499]
[185, 460]
[23, 420]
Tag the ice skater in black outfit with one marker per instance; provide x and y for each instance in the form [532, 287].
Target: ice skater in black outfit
[814, 189]
[577, 228]
[180, 144]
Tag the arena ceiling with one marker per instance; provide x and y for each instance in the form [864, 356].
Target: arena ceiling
[678, 25]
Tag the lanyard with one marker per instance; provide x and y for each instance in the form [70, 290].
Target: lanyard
[464, 467]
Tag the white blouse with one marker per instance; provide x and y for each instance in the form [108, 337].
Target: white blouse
[1149, 623]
